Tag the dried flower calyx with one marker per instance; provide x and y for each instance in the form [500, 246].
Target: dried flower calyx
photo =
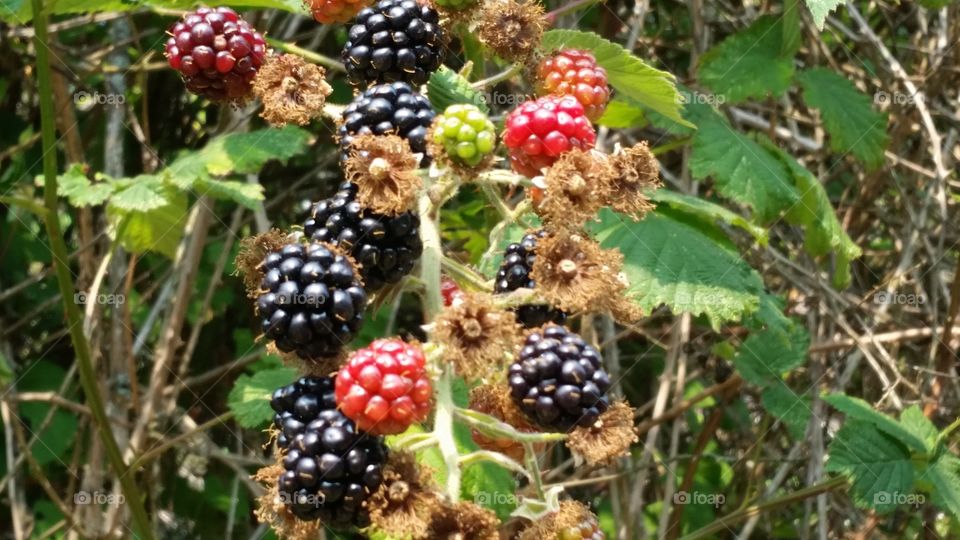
[293, 91]
[384, 170]
[402, 506]
[609, 438]
[512, 29]
[476, 335]
[575, 187]
[636, 172]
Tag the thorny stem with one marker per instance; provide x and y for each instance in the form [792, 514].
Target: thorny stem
[945, 434]
[58, 248]
[443, 430]
[309, 55]
[464, 274]
[533, 465]
[494, 457]
[499, 77]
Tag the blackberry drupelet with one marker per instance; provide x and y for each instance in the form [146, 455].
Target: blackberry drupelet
[588, 529]
[514, 273]
[298, 404]
[558, 380]
[330, 469]
[386, 247]
[392, 108]
[312, 302]
[395, 40]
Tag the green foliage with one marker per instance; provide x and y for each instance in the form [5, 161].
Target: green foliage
[707, 211]
[447, 87]
[56, 439]
[250, 397]
[750, 63]
[741, 168]
[861, 411]
[788, 407]
[673, 260]
[820, 8]
[878, 465]
[629, 75]
[854, 126]
[622, 113]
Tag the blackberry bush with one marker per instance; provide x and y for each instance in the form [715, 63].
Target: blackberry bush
[216, 52]
[387, 248]
[312, 300]
[395, 40]
[514, 273]
[392, 108]
[558, 380]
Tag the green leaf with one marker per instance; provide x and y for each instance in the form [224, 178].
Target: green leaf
[785, 405]
[238, 153]
[630, 76]
[943, 475]
[491, 486]
[708, 211]
[749, 64]
[79, 190]
[742, 169]
[621, 113]
[913, 420]
[767, 354]
[56, 439]
[878, 466]
[677, 261]
[141, 194]
[250, 397]
[157, 229]
[848, 116]
[820, 8]
[823, 232]
[447, 87]
[246, 193]
[859, 410]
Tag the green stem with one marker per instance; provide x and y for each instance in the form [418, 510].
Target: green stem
[494, 457]
[443, 430]
[496, 429]
[727, 521]
[58, 249]
[309, 55]
[499, 77]
[945, 434]
[533, 465]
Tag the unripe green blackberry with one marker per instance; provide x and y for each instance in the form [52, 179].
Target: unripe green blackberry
[465, 133]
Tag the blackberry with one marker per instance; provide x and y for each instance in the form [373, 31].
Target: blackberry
[386, 247]
[298, 404]
[395, 40]
[392, 108]
[514, 274]
[330, 467]
[312, 302]
[558, 380]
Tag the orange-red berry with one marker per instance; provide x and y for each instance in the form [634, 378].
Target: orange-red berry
[572, 72]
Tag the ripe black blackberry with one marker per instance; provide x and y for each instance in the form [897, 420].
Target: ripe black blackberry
[330, 469]
[392, 108]
[386, 247]
[558, 380]
[298, 404]
[312, 301]
[514, 274]
[395, 40]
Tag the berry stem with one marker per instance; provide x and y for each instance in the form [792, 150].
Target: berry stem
[58, 249]
[494, 428]
[533, 465]
[443, 430]
[494, 457]
[499, 77]
[309, 55]
[464, 274]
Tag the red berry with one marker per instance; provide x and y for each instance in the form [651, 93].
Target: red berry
[336, 11]
[573, 72]
[537, 132]
[216, 52]
[384, 387]
[450, 290]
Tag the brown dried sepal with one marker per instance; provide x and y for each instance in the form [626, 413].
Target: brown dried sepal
[476, 335]
[402, 506]
[494, 400]
[636, 172]
[272, 511]
[575, 188]
[571, 514]
[385, 171]
[292, 90]
[512, 29]
[609, 438]
[463, 520]
[249, 261]
[575, 274]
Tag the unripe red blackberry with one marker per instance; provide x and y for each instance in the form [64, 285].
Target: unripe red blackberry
[538, 132]
[572, 72]
[514, 274]
[558, 380]
[384, 387]
[393, 108]
[216, 52]
[330, 468]
[386, 247]
[312, 301]
[450, 290]
[395, 40]
[335, 11]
